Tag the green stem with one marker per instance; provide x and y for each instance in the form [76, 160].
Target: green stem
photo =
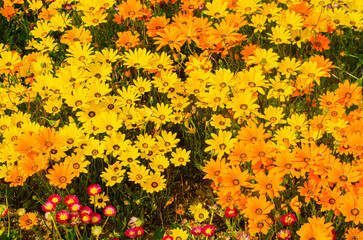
[7, 206]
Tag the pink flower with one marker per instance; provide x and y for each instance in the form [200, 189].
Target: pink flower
[3, 210]
[70, 199]
[168, 237]
[62, 216]
[231, 212]
[75, 207]
[94, 189]
[131, 233]
[334, 234]
[196, 231]
[55, 198]
[85, 218]
[95, 218]
[74, 218]
[85, 210]
[139, 231]
[67, 7]
[109, 211]
[48, 206]
[208, 230]
[284, 234]
[288, 219]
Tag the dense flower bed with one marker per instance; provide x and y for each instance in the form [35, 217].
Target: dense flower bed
[112, 110]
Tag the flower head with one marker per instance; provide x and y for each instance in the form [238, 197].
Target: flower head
[96, 230]
[3, 210]
[70, 199]
[74, 218]
[48, 206]
[139, 231]
[28, 220]
[288, 219]
[21, 211]
[55, 198]
[208, 230]
[109, 211]
[62, 216]
[85, 218]
[131, 233]
[94, 189]
[168, 237]
[231, 212]
[75, 207]
[95, 218]
[284, 234]
[86, 210]
[196, 231]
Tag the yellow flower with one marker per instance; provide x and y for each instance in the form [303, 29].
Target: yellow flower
[221, 143]
[154, 183]
[99, 200]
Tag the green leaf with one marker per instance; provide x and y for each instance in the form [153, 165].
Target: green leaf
[159, 234]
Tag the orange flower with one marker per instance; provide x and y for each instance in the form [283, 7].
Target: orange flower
[323, 63]
[171, 37]
[213, 169]
[320, 42]
[344, 174]
[352, 208]
[26, 143]
[310, 190]
[330, 200]
[47, 139]
[76, 35]
[253, 133]
[257, 208]
[233, 177]
[8, 12]
[269, 184]
[349, 94]
[61, 175]
[28, 220]
[129, 9]
[227, 197]
[15, 177]
[127, 40]
[33, 163]
[156, 25]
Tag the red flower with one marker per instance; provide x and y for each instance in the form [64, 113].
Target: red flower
[139, 231]
[95, 218]
[284, 234]
[168, 237]
[85, 218]
[48, 206]
[86, 210]
[94, 189]
[196, 231]
[288, 219]
[70, 199]
[55, 198]
[231, 212]
[109, 211]
[208, 230]
[62, 216]
[131, 233]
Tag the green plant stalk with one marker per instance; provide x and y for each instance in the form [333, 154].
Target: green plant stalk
[7, 206]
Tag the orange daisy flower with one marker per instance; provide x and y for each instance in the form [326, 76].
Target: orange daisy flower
[320, 42]
[15, 177]
[28, 220]
[61, 175]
